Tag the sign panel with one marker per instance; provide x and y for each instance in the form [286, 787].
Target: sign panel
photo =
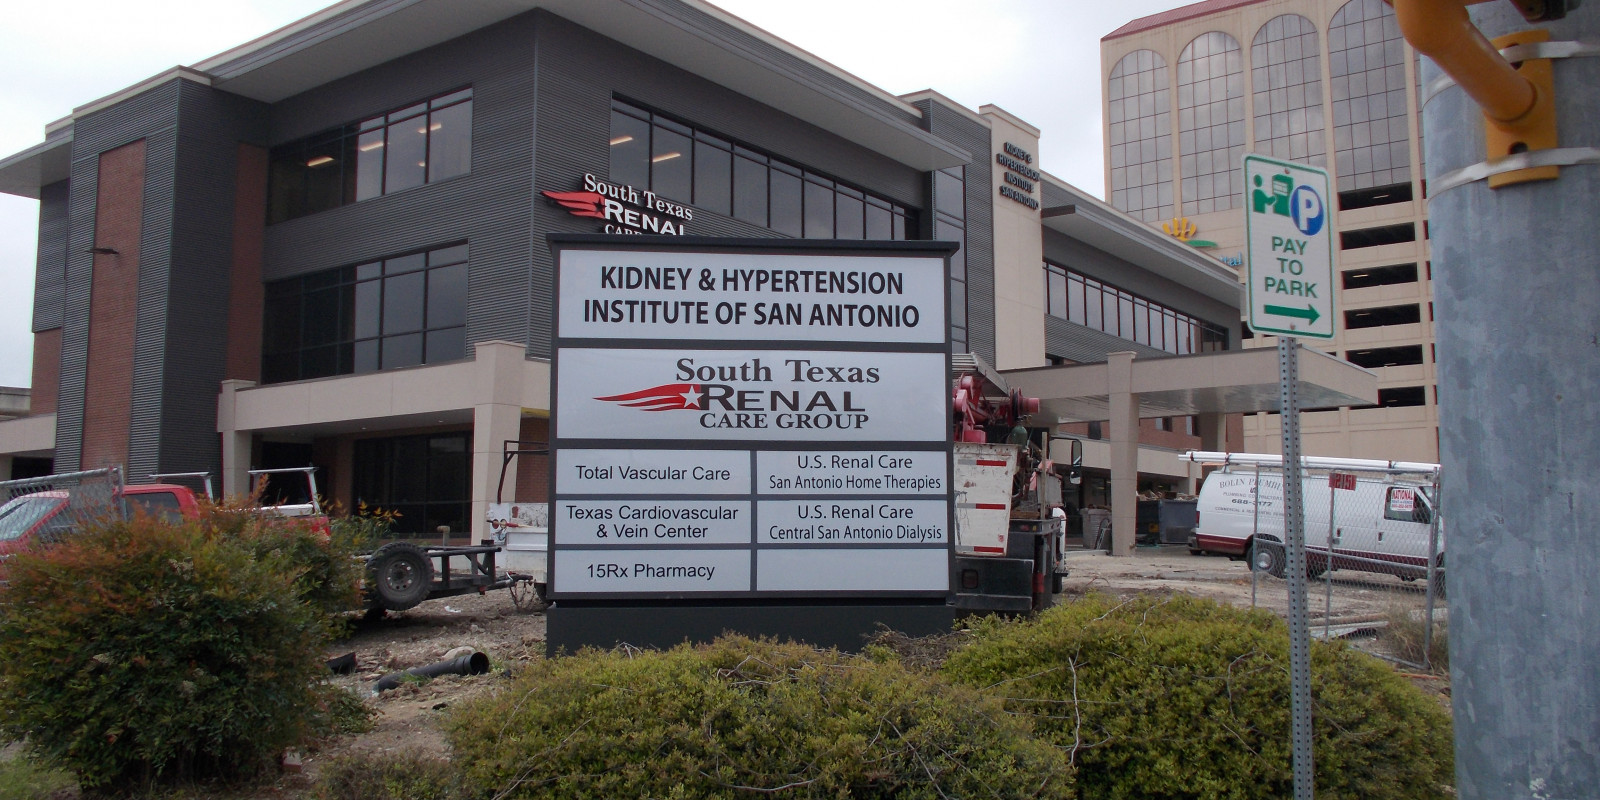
[1289, 248]
[1342, 480]
[737, 420]
[611, 294]
[737, 395]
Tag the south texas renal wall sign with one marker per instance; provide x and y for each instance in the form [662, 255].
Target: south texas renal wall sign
[737, 420]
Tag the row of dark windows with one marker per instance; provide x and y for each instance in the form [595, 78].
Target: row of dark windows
[425, 478]
[419, 144]
[1094, 304]
[949, 225]
[697, 167]
[397, 312]
[1396, 397]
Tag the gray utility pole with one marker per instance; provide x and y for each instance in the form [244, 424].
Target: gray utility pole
[1516, 281]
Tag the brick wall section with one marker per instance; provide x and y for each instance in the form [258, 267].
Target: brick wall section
[46, 372]
[533, 472]
[113, 308]
[245, 294]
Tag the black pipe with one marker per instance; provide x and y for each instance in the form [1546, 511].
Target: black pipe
[474, 664]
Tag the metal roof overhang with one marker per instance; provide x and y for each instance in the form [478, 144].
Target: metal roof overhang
[1114, 232]
[45, 163]
[358, 34]
[1227, 382]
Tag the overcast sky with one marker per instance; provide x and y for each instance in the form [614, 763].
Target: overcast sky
[1038, 59]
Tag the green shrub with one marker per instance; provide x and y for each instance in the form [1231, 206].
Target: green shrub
[744, 718]
[142, 652]
[1179, 697]
[22, 779]
[391, 776]
[327, 573]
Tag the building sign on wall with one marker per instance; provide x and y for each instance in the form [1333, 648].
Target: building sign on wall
[1019, 178]
[747, 421]
[624, 209]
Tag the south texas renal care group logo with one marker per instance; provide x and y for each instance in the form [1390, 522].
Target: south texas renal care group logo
[625, 209]
[666, 397]
[751, 405]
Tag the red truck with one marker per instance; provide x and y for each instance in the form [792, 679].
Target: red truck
[41, 516]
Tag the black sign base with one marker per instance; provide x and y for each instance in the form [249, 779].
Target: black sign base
[847, 627]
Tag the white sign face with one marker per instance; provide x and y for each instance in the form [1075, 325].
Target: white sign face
[757, 424]
[1288, 233]
[852, 472]
[852, 522]
[656, 571]
[604, 523]
[1402, 500]
[880, 569]
[648, 472]
[743, 395]
[621, 294]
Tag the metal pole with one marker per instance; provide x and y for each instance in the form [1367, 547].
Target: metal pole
[1255, 528]
[1327, 574]
[1433, 564]
[1515, 292]
[1295, 566]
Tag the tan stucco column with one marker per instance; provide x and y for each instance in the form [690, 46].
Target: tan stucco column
[235, 442]
[1213, 430]
[496, 419]
[1124, 409]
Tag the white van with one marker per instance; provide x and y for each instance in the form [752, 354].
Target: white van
[1381, 525]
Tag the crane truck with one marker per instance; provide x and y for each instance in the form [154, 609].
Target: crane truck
[1011, 522]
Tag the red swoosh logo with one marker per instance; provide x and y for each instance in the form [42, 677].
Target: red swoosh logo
[666, 397]
[579, 204]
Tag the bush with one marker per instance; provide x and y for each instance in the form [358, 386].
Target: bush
[1405, 636]
[390, 776]
[1179, 697]
[142, 652]
[743, 718]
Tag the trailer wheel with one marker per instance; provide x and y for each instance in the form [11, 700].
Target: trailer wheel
[399, 576]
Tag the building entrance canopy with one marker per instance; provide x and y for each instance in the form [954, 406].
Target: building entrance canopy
[1228, 382]
[1123, 389]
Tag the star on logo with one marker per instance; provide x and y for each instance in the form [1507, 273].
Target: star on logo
[691, 398]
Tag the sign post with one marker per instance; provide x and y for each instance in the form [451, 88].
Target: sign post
[1289, 273]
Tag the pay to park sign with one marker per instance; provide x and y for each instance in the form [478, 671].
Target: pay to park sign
[735, 420]
[1290, 252]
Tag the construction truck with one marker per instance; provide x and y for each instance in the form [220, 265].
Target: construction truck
[1011, 520]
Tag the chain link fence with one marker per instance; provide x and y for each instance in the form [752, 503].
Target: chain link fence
[1375, 556]
[42, 511]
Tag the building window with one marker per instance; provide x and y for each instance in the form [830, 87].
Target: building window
[425, 478]
[408, 147]
[1286, 77]
[1379, 357]
[1364, 277]
[683, 163]
[1211, 123]
[1141, 136]
[949, 225]
[1095, 304]
[1378, 236]
[1367, 80]
[1382, 316]
[397, 312]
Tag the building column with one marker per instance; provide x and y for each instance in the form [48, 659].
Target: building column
[496, 419]
[1213, 430]
[1124, 408]
[235, 442]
